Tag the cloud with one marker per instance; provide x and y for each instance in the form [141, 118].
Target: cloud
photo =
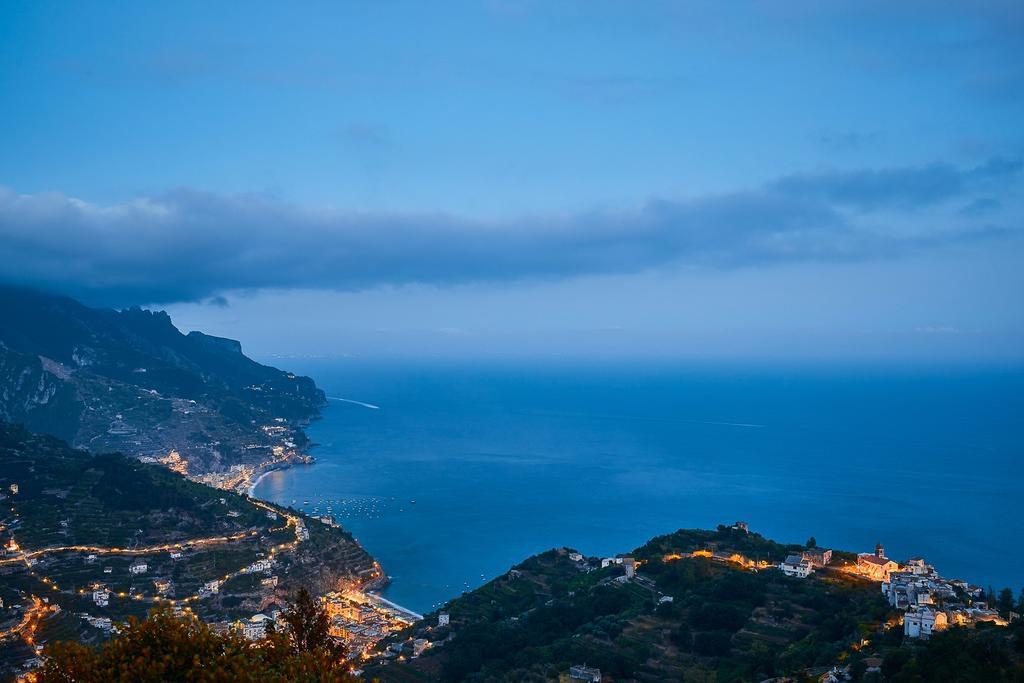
[192, 246]
[937, 329]
[903, 188]
[217, 301]
[980, 206]
[849, 140]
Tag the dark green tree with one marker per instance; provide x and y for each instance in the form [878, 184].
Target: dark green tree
[166, 648]
[308, 627]
[812, 542]
[1004, 603]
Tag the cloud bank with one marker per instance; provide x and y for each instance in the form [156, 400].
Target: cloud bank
[190, 245]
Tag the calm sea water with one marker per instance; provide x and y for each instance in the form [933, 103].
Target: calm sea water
[504, 461]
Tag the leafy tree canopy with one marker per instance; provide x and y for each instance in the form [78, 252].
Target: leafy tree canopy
[169, 648]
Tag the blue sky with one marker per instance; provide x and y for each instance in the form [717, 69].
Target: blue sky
[503, 178]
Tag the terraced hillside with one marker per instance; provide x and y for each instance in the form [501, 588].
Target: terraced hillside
[73, 525]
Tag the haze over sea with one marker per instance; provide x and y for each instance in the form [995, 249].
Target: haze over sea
[505, 460]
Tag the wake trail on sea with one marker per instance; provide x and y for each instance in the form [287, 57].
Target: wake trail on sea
[731, 424]
[358, 403]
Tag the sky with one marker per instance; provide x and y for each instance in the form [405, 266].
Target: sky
[506, 178]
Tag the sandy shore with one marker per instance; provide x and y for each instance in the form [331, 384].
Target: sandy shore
[252, 487]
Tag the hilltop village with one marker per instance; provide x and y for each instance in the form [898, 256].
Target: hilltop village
[798, 586]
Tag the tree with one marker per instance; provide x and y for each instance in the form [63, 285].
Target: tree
[812, 542]
[1004, 603]
[171, 648]
[308, 627]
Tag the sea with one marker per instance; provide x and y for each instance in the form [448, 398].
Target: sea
[449, 473]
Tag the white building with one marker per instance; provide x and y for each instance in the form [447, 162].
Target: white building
[101, 597]
[918, 567]
[443, 619]
[629, 564]
[258, 566]
[796, 565]
[14, 488]
[818, 557]
[139, 568]
[922, 622]
[609, 561]
[582, 672]
[876, 565]
[254, 630]
[576, 557]
[102, 623]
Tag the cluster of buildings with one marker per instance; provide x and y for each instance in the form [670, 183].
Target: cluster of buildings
[235, 478]
[581, 672]
[329, 520]
[259, 566]
[256, 626]
[931, 603]
[628, 565]
[102, 623]
[210, 588]
[101, 596]
[172, 461]
[928, 601]
[803, 564]
[362, 620]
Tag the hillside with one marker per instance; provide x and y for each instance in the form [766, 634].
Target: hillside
[74, 523]
[701, 606]
[129, 381]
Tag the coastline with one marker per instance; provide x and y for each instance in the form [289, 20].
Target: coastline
[251, 489]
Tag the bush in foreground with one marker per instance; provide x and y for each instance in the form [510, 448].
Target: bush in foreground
[166, 647]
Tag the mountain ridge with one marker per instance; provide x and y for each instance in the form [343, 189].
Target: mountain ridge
[130, 381]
